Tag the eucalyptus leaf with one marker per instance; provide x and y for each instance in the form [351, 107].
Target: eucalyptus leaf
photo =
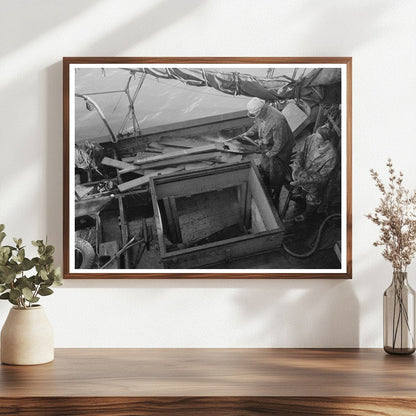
[49, 250]
[15, 294]
[48, 282]
[13, 302]
[24, 282]
[14, 268]
[26, 264]
[38, 280]
[9, 277]
[27, 293]
[21, 255]
[5, 250]
[15, 285]
[58, 277]
[43, 275]
[17, 241]
[45, 291]
[4, 255]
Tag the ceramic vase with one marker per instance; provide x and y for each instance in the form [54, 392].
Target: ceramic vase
[27, 337]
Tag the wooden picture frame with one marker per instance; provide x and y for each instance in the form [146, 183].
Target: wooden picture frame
[179, 191]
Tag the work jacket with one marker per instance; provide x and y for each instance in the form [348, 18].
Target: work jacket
[315, 162]
[274, 133]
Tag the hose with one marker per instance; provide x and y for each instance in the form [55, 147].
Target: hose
[315, 244]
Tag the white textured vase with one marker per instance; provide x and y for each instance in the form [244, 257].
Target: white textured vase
[27, 337]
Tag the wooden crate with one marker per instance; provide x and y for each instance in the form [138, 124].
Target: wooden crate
[192, 210]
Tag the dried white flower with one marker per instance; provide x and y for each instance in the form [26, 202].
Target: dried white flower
[396, 217]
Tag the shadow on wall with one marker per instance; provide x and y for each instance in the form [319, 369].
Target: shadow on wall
[54, 145]
[42, 17]
[157, 18]
[131, 33]
[301, 313]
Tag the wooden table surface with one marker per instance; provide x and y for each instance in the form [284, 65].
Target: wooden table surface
[212, 381]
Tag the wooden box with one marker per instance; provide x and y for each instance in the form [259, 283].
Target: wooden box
[212, 216]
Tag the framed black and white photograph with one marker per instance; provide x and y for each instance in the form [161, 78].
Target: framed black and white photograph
[207, 167]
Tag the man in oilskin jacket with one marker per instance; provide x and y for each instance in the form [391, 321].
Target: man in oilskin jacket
[276, 142]
[312, 168]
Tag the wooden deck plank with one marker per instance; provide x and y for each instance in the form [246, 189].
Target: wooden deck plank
[171, 155]
[114, 163]
[144, 180]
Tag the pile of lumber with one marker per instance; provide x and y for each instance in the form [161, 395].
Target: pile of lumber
[172, 156]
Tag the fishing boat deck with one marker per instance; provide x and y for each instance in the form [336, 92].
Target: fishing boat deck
[128, 212]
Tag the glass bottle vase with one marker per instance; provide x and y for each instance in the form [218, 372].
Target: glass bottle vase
[399, 316]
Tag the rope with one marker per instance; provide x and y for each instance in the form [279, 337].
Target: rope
[295, 71]
[237, 87]
[205, 76]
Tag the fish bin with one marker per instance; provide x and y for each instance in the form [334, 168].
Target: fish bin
[212, 216]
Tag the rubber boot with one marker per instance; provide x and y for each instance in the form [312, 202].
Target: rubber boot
[307, 214]
[299, 208]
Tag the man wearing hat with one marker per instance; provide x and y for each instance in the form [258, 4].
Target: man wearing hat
[276, 142]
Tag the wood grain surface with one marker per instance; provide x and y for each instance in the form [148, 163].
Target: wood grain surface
[212, 381]
[208, 406]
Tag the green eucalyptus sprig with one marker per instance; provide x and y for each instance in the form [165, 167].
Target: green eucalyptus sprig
[15, 285]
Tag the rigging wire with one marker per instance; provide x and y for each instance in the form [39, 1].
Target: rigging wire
[136, 125]
[131, 111]
[112, 113]
[102, 92]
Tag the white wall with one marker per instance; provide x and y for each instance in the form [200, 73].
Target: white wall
[380, 35]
